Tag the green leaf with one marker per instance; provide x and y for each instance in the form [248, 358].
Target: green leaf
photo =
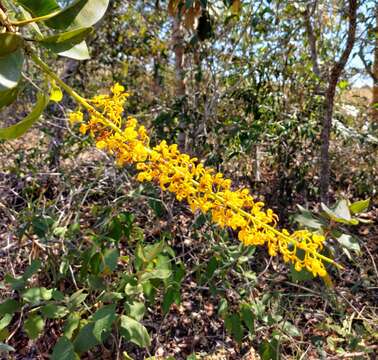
[343, 84]
[340, 213]
[85, 340]
[110, 260]
[155, 274]
[234, 326]
[78, 52]
[299, 276]
[35, 295]
[65, 41]
[16, 283]
[290, 329]
[171, 296]
[32, 269]
[342, 209]
[5, 321]
[77, 298]
[223, 308]
[9, 306]
[8, 96]
[359, 206]
[103, 319]
[15, 131]
[71, 324]
[52, 311]
[64, 350]
[9, 42]
[33, 326]
[41, 225]
[269, 350]
[6, 348]
[150, 252]
[306, 219]
[135, 309]
[134, 331]
[39, 7]
[349, 242]
[81, 13]
[10, 70]
[248, 318]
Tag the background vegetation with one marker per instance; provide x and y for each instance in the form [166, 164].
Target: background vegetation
[95, 265]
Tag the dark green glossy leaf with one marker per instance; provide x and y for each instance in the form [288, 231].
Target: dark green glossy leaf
[81, 13]
[65, 41]
[10, 70]
[39, 7]
[9, 42]
[15, 131]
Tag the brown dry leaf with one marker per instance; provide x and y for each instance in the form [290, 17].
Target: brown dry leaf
[192, 15]
[235, 7]
[173, 6]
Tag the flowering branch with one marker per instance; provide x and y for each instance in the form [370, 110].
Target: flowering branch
[203, 188]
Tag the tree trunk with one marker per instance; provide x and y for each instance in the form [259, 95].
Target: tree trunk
[375, 73]
[178, 48]
[335, 73]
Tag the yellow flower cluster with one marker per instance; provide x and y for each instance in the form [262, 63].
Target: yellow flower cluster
[204, 189]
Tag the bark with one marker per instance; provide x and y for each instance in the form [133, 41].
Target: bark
[179, 50]
[335, 73]
[312, 41]
[375, 72]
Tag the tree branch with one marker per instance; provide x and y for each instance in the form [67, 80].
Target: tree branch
[367, 67]
[312, 40]
[340, 65]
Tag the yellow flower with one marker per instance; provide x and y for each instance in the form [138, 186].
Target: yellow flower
[101, 144]
[75, 117]
[204, 189]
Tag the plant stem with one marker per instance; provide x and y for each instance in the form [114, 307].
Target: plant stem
[45, 68]
[36, 19]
